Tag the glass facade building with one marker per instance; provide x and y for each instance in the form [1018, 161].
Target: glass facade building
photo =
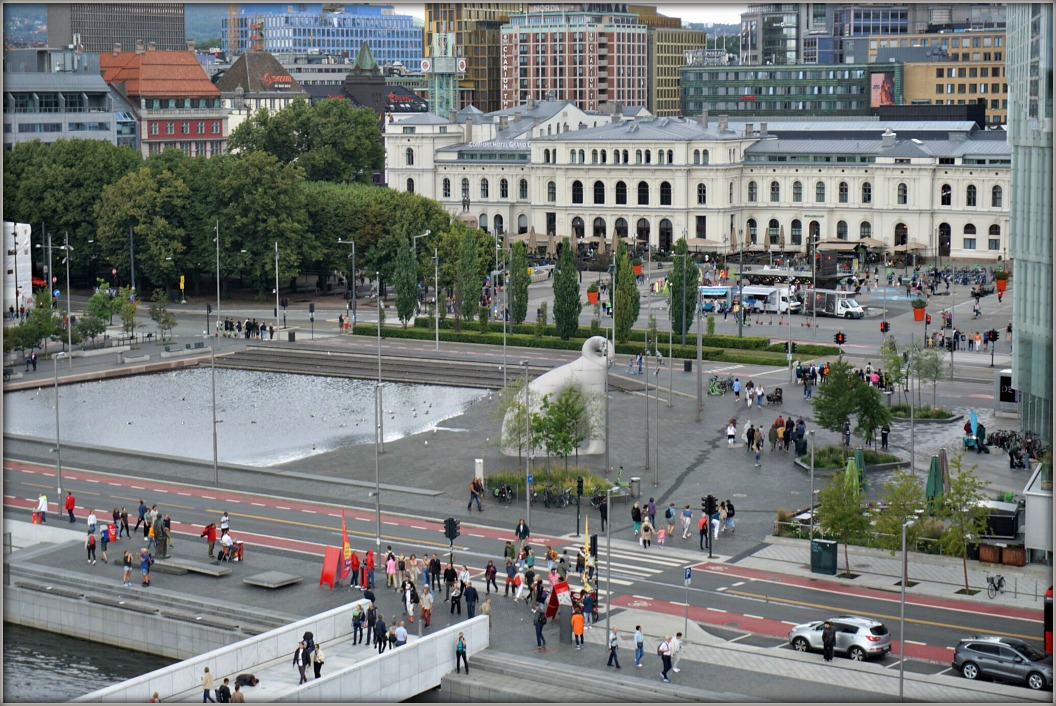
[1030, 34]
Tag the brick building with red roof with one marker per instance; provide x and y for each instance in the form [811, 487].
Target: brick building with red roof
[176, 103]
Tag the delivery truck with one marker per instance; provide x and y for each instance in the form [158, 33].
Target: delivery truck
[774, 300]
[829, 302]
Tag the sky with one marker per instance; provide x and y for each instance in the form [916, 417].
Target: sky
[704, 12]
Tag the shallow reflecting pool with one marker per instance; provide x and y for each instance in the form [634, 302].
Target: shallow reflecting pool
[262, 418]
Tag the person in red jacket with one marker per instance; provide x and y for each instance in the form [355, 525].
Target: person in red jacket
[210, 535]
[70, 504]
[369, 565]
[354, 581]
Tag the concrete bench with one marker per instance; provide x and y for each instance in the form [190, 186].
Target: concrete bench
[272, 579]
[193, 566]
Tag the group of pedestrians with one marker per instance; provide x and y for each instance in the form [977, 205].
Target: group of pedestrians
[781, 434]
[224, 693]
[670, 651]
[250, 328]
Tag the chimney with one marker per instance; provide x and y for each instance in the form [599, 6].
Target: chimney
[748, 129]
[762, 129]
[535, 121]
[888, 139]
[615, 119]
[190, 45]
[469, 130]
[724, 123]
[453, 117]
[151, 46]
[703, 118]
[117, 48]
[139, 46]
[504, 122]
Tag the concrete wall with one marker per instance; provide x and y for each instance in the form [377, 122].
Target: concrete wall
[243, 656]
[398, 674]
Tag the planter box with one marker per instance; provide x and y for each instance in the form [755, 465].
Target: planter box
[1002, 284]
[1014, 556]
[989, 554]
[637, 269]
[918, 314]
[592, 297]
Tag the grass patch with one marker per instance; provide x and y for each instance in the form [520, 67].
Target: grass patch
[902, 410]
[836, 457]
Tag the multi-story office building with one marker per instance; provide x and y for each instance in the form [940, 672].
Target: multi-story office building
[1030, 48]
[391, 36]
[477, 28]
[98, 26]
[575, 53]
[773, 91]
[667, 55]
[972, 71]
[176, 103]
[944, 185]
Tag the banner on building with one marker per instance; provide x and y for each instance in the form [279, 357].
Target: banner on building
[883, 90]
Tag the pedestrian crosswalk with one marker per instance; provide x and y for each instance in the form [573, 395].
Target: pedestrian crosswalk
[629, 566]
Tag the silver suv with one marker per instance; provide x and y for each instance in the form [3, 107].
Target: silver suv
[857, 637]
[1004, 658]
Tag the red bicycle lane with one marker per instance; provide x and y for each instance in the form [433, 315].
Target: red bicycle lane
[734, 571]
[761, 626]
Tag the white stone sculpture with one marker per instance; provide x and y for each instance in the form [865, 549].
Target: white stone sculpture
[587, 375]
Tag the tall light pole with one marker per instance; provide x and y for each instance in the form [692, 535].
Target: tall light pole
[216, 331]
[608, 564]
[436, 296]
[811, 432]
[378, 442]
[58, 439]
[495, 286]
[69, 304]
[902, 613]
[527, 451]
[606, 350]
[414, 250]
[649, 299]
[814, 285]
[740, 289]
[791, 373]
[132, 256]
[212, 373]
[700, 357]
[352, 279]
[276, 284]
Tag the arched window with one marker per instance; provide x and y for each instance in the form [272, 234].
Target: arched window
[410, 157]
[670, 156]
[577, 191]
[551, 192]
[626, 157]
[593, 156]
[482, 221]
[637, 156]
[572, 156]
[621, 227]
[773, 231]
[903, 195]
[797, 192]
[643, 194]
[946, 195]
[604, 156]
[752, 233]
[546, 156]
[696, 156]
[865, 230]
[969, 196]
[522, 189]
[995, 231]
[599, 227]
[522, 223]
[775, 192]
[484, 188]
[797, 232]
[582, 156]
[504, 189]
[665, 193]
[841, 230]
[969, 229]
[706, 157]
[844, 192]
[753, 192]
[621, 193]
[660, 157]
[731, 192]
[615, 156]
[599, 192]
[969, 237]
[410, 186]
[447, 188]
[867, 193]
[995, 197]
[702, 195]
[901, 234]
[465, 188]
[819, 192]
[577, 227]
[648, 156]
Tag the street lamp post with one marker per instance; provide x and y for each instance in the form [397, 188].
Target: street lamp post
[811, 432]
[380, 422]
[814, 285]
[212, 373]
[791, 373]
[132, 256]
[740, 289]
[902, 613]
[378, 444]
[608, 564]
[436, 296]
[69, 304]
[700, 358]
[352, 279]
[527, 451]
[276, 284]
[217, 241]
[606, 350]
[58, 439]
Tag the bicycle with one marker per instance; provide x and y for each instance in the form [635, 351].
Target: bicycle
[569, 497]
[596, 498]
[505, 494]
[995, 584]
[549, 497]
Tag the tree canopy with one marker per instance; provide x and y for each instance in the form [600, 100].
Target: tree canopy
[682, 285]
[567, 304]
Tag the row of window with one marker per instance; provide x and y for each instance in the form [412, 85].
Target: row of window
[485, 188]
[865, 230]
[760, 75]
[950, 88]
[176, 103]
[969, 72]
[946, 41]
[185, 128]
[843, 193]
[796, 90]
[197, 148]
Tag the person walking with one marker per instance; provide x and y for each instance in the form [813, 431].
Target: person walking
[730, 512]
[677, 647]
[736, 387]
[522, 532]
[427, 606]
[223, 692]
[731, 433]
[614, 646]
[476, 490]
[472, 597]
[357, 624]
[225, 523]
[89, 544]
[71, 503]
[669, 515]
[603, 510]
[639, 646]
[828, 640]
[538, 621]
[207, 686]
[647, 533]
[104, 539]
[381, 634]
[42, 508]
[490, 572]
[460, 654]
[650, 510]
[124, 524]
[758, 442]
[372, 620]
[665, 654]
[687, 520]
[142, 518]
[93, 520]
[301, 659]
[636, 518]
[577, 627]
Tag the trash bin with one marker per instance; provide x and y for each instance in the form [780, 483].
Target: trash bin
[687, 366]
[801, 446]
[636, 487]
[823, 556]
[291, 336]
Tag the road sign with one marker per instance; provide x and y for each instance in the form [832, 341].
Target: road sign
[530, 478]
[689, 574]
[181, 281]
[56, 293]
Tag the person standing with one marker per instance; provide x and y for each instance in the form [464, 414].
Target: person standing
[401, 635]
[731, 525]
[225, 524]
[665, 654]
[357, 624]
[522, 532]
[538, 621]
[736, 386]
[301, 658]
[372, 619]
[381, 634]
[485, 609]
[427, 606]
[368, 564]
[885, 432]
[71, 503]
[647, 533]
[126, 561]
[460, 654]
[636, 518]
[828, 640]
[104, 539]
[317, 661]
[603, 510]
[89, 544]
[677, 647]
[490, 572]
[207, 686]
[92, 521]
[669, 515]
[702, 526]
[435, 572]
[614, 646]
[145, 560]
[471, 599]
[639, 646]
[577, 628]
[456, 598]
[511, 573]
[650, 509]
[223, 692]
[476, 489]
[210, 536]
[758, 442]
[42, 508]
[450, 576]
[353, 571]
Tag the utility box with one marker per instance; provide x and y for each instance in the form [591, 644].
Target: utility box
[823, 556]
[478, 468]
[687, 366]
[291, 336]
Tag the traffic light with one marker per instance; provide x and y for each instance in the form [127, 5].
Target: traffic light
[704, 505]
[311, 307]
[594, 545]
[208, 308]
[949, 343]
[839, 338]
[793, 346]
[994, 335]
[711, 505]
[452, 528]
[579, 485]
[927, 319]
[884, 327]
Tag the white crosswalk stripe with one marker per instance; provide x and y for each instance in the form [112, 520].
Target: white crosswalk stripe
[635, 565]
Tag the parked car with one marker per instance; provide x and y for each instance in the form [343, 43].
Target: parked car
[1004, 658]
[857, 637]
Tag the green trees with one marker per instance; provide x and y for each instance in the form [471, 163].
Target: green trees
[903, 496]
[840, 510]
[682, 285]
[405, 279]
[567, 304]
[41, 323]
[160, 314]
[926, 365]
[964, 517]
[467, 278]
[627, 300]
[330, 141]
[518, 284]
[563, 423]
[844, 395]
[129, 305]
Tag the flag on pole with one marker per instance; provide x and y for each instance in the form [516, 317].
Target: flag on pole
[346, 566]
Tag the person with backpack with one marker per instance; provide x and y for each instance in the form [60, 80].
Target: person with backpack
[104, 539]
[223, 692]
[730, 512]
[539, 620]
[357, 624]
[476, 489]
[669, 515]
[664, 650]
[460, 654]
[89, 544]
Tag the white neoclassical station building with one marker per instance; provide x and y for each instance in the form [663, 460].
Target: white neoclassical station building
[940, 188]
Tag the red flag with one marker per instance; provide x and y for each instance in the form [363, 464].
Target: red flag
[346, 548]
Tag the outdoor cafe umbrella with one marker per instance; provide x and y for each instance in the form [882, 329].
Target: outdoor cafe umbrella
[781, 237]
[532, 242]
[859, 461]
[852, 470]
[944, 464]
[872, 243]
[551, 247]
[934, 487]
